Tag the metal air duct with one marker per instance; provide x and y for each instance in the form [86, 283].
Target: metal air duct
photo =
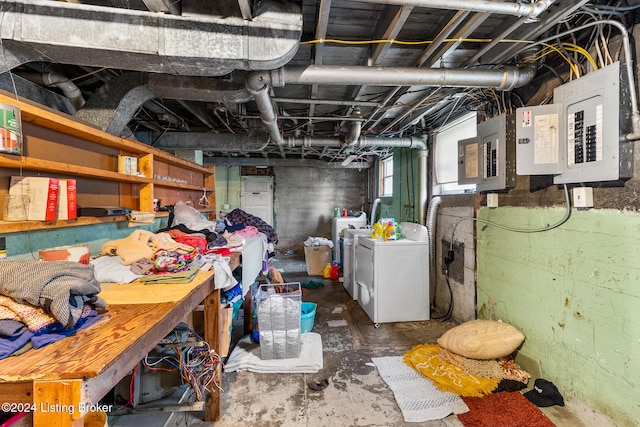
[72, 33]
[258, 84]
[531, 10]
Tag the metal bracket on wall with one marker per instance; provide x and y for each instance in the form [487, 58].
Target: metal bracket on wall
[456, 267]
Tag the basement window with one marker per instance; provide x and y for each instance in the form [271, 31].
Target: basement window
[386, 177]
[446, 155]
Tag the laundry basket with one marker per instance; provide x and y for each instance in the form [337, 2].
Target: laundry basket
[279, 312]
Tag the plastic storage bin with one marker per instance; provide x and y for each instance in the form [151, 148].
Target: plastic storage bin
[278, 309]
[307, 317]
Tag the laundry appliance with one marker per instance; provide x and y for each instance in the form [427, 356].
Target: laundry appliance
[341, 223]
[350, 243]
[393, 276]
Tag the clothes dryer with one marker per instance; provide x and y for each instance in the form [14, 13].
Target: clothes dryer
[393, 277]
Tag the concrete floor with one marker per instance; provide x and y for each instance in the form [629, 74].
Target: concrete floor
[356, 395]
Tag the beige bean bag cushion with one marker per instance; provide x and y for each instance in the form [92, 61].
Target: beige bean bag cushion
[482, 339]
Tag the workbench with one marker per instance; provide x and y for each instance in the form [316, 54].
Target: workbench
[60, 382]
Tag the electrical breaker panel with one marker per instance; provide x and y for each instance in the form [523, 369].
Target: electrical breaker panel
[540, 140]
[469, 164]
[591, 106]
[497, 151]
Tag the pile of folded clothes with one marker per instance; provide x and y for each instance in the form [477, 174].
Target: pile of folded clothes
[43, 302]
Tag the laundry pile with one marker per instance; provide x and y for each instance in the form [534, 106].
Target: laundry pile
[176, 253]
[43, 302]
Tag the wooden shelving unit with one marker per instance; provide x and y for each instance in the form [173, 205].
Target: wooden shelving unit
[57, 145]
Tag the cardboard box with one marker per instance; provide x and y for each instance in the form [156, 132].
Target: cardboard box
[317, 258]
[128, 165]
[67, 199]
[43, 196]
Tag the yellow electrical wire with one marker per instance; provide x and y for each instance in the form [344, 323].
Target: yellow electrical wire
[409, 43]
[551, 49]
[575, 48]
[88, 74]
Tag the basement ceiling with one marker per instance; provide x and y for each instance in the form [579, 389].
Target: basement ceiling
[259, 82]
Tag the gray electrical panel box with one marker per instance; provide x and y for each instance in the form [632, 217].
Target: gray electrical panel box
[469, 165]
[497, 151]
[540, 140]
[593, 151]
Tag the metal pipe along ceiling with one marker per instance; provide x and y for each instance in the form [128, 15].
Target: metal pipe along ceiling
[505, 78]
[531, 10]
[258, 84]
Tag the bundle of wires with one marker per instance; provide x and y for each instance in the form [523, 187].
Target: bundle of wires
[199, 369]
[198, 364]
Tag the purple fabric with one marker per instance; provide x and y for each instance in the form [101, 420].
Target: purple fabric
[238, 216]
[48, 335]
[56, 332]
[8, 346]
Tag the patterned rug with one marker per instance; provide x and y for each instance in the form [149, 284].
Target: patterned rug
[418, 399]
[504, 409]
[447, 377]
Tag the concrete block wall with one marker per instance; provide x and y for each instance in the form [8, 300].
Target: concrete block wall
[573, 291]
[305, 198]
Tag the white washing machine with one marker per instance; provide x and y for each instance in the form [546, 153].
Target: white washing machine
[343, 222]
[393, 277]
[351, 239]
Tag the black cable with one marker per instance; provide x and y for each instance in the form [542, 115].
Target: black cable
[449, 312]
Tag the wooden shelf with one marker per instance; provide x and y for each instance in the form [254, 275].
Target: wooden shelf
[57, 144]
[17, 226]
[32, 112]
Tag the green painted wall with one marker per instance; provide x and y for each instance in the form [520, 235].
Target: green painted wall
[227, 187]
[575, 293]
[25, 245]
[406, 173]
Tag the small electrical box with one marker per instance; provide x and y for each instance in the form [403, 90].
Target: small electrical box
[469, 164]
[538, 140]
[593, 151]
[492, 200]
[583, 197]
[497, 151]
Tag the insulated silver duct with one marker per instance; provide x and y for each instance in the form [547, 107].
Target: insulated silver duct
[99, 36]
[506, 78]
[362, 142]
[432, 218]
[531, 10]
[258, 84]
[267, 114]
[423, 156]
[354, 130]
[255, 142]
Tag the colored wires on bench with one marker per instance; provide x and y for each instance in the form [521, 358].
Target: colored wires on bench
[199, 365]
[199, 369]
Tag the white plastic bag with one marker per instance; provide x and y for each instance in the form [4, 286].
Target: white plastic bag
[190, 218]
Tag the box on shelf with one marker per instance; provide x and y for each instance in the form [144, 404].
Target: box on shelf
[317, 257]
[128, 165]
[278, 308]
[42, 193]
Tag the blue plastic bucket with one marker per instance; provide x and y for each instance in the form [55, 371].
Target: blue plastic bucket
[307, 317]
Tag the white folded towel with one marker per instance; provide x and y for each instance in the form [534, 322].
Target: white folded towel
[246, 357]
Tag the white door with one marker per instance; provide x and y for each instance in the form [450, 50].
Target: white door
[256, 197]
